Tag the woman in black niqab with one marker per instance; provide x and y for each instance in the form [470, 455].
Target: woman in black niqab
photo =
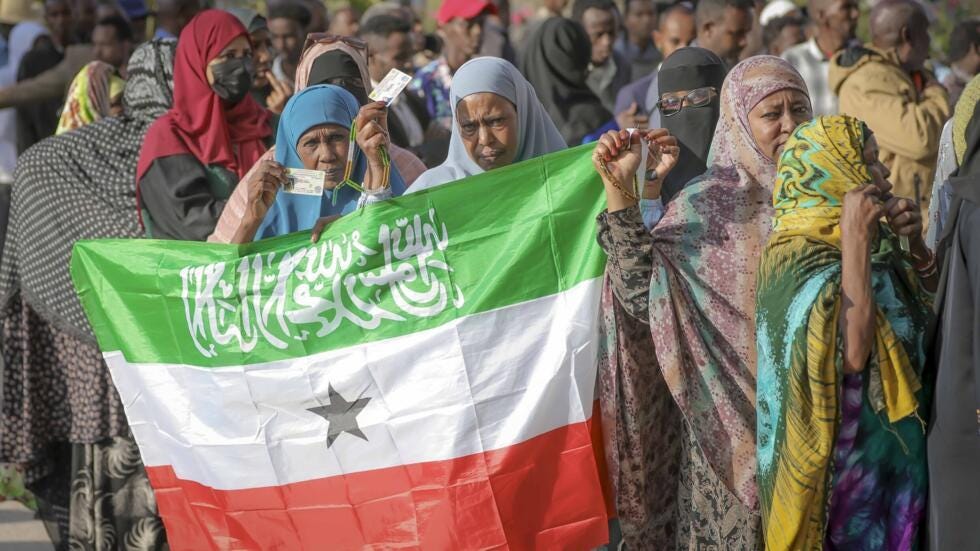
[556, 63]
[688, 69]
[337, 67]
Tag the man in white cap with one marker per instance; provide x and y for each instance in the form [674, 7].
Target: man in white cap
[834, 26]
[783, 26]
[778, 8]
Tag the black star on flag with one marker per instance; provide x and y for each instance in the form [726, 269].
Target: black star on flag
[341, 415]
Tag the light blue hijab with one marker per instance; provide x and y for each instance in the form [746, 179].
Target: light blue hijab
[537, 133]
[315, 106]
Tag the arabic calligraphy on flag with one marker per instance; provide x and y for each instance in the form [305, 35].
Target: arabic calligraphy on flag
[334, 281]
[422, 377]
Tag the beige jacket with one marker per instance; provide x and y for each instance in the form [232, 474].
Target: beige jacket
[50, 85]
[907, 124]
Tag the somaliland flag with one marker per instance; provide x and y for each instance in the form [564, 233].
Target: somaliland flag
[423, 377]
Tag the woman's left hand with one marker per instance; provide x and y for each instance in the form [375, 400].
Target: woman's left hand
[321, 224]
[372, 129]
[663, 155]
[664, 151]
[281, 92]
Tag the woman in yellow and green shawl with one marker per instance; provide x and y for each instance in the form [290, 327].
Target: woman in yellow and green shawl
[92, 95]
[841, 315]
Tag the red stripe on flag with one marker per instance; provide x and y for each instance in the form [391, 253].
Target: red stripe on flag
[599, 449]
[543, 493]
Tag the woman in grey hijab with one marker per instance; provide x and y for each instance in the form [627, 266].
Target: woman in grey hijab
[497, 121]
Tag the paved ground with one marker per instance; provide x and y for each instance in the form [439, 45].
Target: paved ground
[19, 531]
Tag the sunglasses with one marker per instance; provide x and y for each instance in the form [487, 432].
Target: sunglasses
[327, 38]
[699, 97]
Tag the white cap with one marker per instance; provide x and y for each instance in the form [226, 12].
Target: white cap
[776, 9]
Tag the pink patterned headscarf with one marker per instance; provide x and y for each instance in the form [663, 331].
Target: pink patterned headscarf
[706, 251]
[694, 363]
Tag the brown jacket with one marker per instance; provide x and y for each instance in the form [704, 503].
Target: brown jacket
[907, 124]
[49, 85]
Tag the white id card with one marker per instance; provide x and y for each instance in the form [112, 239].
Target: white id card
[392, 85]
[304, 182]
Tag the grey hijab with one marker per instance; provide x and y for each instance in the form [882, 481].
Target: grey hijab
[251, 19]
[537, 136]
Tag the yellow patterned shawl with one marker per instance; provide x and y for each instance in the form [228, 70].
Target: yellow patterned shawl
[90, 96]
[962, 114]
[798, 303]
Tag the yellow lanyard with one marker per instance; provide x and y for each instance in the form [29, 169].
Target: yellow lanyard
[349, 168]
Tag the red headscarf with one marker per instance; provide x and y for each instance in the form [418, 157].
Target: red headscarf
[199, 123]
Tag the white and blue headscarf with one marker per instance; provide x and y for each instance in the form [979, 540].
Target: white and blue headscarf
[315, 106]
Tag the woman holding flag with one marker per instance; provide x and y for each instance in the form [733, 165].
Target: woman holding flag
[323, 129]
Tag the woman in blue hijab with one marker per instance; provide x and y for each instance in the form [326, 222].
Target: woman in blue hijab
[314, 134]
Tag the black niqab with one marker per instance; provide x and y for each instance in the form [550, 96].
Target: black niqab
[556, 63]
[687, 69]
[339, 68]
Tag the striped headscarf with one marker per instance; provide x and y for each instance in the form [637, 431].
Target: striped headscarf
[90, 96]
[821, 161]
[962, 114]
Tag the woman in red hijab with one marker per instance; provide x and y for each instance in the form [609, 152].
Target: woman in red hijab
[194, 154]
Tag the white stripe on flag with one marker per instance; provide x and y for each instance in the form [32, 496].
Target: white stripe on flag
[482, 382]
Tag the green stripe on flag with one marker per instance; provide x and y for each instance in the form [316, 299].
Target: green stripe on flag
[398, 267]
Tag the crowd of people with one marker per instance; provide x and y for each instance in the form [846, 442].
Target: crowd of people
[789, 308]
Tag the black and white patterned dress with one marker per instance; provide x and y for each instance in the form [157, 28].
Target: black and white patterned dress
[62, 420]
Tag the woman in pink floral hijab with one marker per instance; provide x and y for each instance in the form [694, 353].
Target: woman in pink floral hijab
[677, 386]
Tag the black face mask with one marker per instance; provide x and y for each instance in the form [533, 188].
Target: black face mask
[233, 79]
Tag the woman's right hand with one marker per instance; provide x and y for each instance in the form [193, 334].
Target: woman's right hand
[281, 92]
[620, 153]
[616, 158]
[263, 186]
[862, 210]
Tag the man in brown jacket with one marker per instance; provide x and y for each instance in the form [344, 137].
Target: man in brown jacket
[886, 85]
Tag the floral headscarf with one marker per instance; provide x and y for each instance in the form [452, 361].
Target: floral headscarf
[90, 96]
[800, 360]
